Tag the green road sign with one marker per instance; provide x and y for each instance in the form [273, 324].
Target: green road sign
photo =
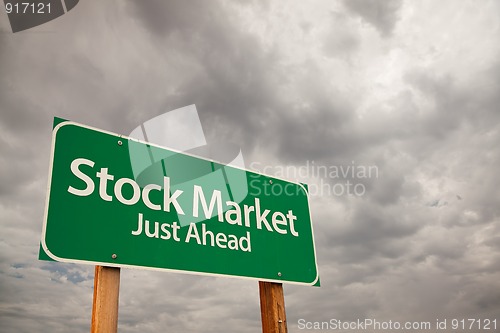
[117, 201]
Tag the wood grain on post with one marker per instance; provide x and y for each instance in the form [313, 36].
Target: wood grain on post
[272, 307]
[105, 305]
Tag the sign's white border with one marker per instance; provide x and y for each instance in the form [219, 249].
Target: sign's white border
[77, 261]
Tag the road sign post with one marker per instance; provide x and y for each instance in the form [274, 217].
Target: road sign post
[272, 307]
[115, 201]
[105, 302]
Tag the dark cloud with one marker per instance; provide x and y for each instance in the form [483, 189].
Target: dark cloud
[164, 18]
[342, 40]
[290, 85]
[383, 15]
[227, 76]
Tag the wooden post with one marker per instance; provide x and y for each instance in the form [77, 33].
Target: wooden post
[272, 307]
[105, 305]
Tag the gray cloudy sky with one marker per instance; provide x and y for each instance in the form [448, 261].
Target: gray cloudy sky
[411, 87]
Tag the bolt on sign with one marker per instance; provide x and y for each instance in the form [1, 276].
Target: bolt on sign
[120, 202]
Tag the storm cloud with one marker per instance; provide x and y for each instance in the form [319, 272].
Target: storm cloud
[410, 88]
